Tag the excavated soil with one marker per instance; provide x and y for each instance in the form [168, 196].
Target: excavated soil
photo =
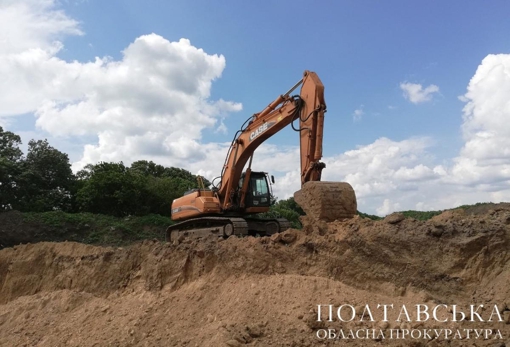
[266, 291]
[326, 201]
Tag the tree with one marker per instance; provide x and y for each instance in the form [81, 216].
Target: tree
[111, 188]
[9, 146]
[164, 184]
[185, 175]
[148, 168]
[162, 191]
[46, 180]
[142, 188]
[10, 168]
[43, 181]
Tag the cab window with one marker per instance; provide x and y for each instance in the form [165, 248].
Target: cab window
[259, 186]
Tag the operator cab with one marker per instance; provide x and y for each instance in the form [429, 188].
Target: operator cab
[259, 192]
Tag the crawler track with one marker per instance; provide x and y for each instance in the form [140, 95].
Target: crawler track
[225, 227]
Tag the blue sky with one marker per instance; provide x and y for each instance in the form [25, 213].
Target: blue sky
[375, 59]
[362, 50]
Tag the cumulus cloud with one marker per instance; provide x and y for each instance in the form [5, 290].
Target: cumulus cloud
[485, 156]
[372, 169]
[33, 24]
[385, 169]
[416, 94]
[387, 207]
[30, 33]
[222, 128]
[155, 101]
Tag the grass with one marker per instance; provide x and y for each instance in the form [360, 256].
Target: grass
[426, 215]
[421, 215]
[369, 216]
[99, 229]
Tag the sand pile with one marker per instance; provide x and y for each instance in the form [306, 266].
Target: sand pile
[264, 291]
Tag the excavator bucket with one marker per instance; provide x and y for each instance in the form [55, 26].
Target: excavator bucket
[327, 201]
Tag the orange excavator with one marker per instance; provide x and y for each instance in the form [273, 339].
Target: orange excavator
[228, 208]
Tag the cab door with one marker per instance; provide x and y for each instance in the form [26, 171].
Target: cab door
[258, 191]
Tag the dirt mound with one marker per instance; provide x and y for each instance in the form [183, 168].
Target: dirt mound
[262, 291]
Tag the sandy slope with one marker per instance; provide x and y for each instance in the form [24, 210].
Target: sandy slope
[262, 291]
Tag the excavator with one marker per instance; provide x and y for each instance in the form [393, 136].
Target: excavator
[230, 206]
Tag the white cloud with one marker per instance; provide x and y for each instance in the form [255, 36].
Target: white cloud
[286, 185]
[485, 156]
[222, 128]
[33, 24]
[358, 113]
[418, 173]
[415, 92]
[387, 207]
[384, 169]
[4, 122]
[154, 102]
[29, 38]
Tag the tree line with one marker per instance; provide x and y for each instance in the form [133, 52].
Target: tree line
[42, 180]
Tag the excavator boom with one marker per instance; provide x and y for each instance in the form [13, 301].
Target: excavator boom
[309, 108]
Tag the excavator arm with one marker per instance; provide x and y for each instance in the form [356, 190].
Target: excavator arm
[308, 107]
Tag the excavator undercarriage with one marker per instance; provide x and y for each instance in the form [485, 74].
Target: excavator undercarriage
[225, 227]
[321, 201]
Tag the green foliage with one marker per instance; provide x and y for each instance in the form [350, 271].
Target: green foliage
[9, 145]
[9, 186]
[50, 167]
[46, 179]
[148, 168]
[98, 228]
[287, 209]
[145, 187]
[59, 218]
[164, 184]
[43, 181]
[184, 176]
[162, 191]
[421, 215]
[153, 220]
[114, 190]
[39, 182]
[369, 216]
[10, 167]
[478, 204]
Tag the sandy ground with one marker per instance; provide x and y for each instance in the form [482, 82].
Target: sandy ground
[267, 291]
